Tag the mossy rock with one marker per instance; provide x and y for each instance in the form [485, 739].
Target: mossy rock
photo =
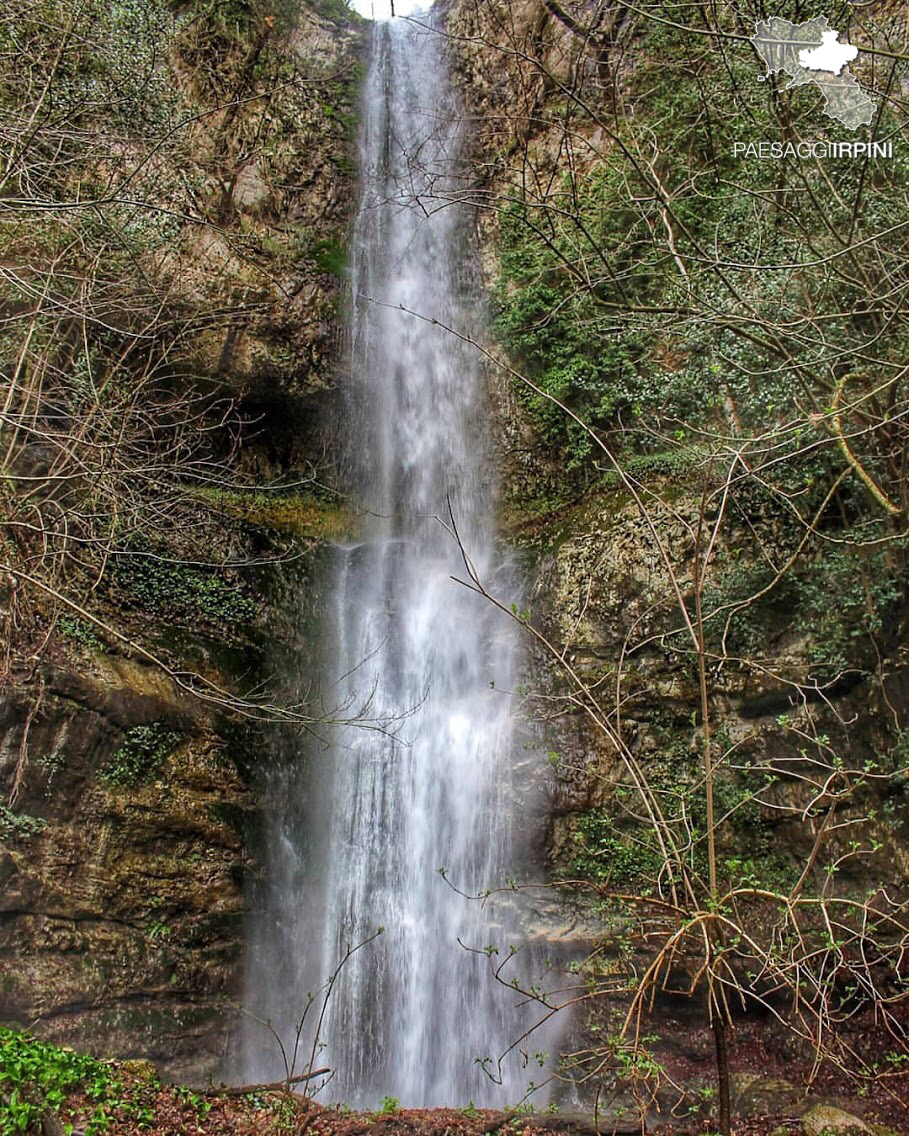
[145, 1072]
[755, 1094]
[828, 1120]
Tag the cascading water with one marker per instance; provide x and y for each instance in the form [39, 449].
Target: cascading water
[360, 832]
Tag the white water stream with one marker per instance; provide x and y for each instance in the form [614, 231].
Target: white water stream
[359, 833]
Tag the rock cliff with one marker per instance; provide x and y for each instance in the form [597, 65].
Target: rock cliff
[191, 165]
[633, 426]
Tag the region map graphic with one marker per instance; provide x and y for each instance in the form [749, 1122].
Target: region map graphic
[810, 52]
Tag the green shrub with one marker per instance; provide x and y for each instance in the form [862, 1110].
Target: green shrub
[867, 587]
[603, 854]
[645, 341]
[19, 826]
[36, 1078]
[335, 9]
[173, 590]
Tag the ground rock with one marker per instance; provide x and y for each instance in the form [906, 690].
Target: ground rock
[826, 1120]
[755, 1094]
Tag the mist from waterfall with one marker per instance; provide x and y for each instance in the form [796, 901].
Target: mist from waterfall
[361, 832]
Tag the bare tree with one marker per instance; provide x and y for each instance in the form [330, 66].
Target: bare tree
[123, 451]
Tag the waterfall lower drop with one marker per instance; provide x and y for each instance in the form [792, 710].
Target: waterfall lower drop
[359, 833]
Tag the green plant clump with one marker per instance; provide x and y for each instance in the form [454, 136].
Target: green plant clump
[79, 631]
[175, 590]
[604, 856]
[330, 256]
[143, 750]
[19, 826]
[336, 9]
[35, 1078]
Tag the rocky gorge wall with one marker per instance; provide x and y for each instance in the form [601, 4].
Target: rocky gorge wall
[579, 113]
[130, 816]
[221, 147]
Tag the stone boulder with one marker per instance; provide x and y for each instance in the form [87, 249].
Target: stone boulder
[826, 1120]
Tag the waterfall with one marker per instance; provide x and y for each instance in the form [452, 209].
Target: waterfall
[360, 832]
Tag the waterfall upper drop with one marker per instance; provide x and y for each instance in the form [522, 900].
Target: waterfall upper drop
[359, 833]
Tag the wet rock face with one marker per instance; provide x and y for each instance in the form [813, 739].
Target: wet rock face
[121, 891]
[276, 171]
[129, 837]
[129, 833]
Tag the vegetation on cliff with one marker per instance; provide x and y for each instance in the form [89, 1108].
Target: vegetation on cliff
[712, 351]
[706, 456]
[175, 185]
[159, 225]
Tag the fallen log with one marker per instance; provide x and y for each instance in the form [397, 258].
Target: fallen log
[274, 1087]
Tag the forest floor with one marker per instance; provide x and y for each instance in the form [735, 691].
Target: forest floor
[53, 1090]
[166, 1110]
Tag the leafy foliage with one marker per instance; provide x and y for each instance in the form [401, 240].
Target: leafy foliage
[175, 590]
[658, 290]
[79, 631]
[36, 1078]
[19, 826]
[136, 130]
[607, 856]
[142, 751]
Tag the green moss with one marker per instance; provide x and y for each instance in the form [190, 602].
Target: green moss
[545, 520]
[678, 461]
[304, 515]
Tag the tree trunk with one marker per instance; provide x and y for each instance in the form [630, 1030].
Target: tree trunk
[722, 1071]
